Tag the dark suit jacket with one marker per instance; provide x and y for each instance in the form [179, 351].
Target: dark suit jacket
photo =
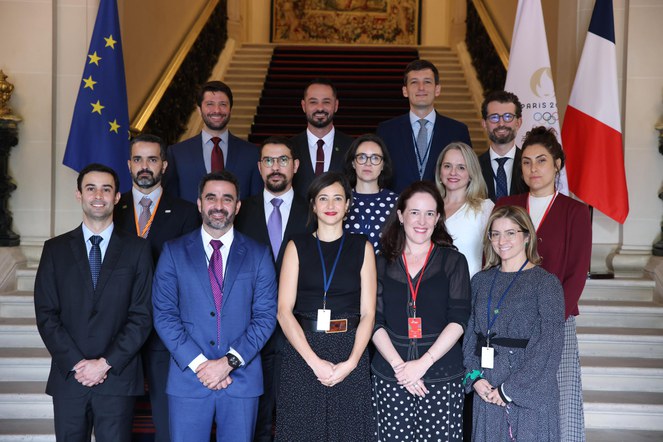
[78, 322]
[397, 134]
[186, 167]
[185, 313]
[306, 173]
[517, 183]
[251, 222]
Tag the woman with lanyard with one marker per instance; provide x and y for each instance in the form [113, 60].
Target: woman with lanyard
[513, 342]
[564, 232]
[326, 309]
[368, 167]
[423, 307]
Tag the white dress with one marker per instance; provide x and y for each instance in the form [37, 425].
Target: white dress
[466, 227]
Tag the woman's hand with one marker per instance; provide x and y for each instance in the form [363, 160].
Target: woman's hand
[488, 393]
[341, 371]
[409, 374]
[323, 370]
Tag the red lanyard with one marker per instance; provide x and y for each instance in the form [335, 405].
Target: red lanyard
[545, 214]
[415, 291]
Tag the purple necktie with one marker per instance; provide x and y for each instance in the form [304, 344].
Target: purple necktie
[275, 227]
[215, 271]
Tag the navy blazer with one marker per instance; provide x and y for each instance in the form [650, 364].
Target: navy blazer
[518, 186]
[186, 167]
[306, 172]
[397, 135]
[185, 313]
[77, 321]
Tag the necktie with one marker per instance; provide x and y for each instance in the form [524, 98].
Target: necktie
[422, 140]
[320, 158]
[500, 180]
[95, 258]
[275, 226]
[145, 215]
[217, 155]
[215, 271]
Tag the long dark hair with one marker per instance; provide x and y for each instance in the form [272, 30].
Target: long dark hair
[393, 234]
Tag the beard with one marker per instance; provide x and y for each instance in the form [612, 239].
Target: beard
[216, 126]
[145, 182]
[315, 122]
[279, 186]
[509, 137]
[218, 224]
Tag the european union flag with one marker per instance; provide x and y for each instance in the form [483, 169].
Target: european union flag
[100, 126]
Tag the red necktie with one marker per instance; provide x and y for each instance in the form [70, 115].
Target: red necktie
[217, 155]
[320, 158]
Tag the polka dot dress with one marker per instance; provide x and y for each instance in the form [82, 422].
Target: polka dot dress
[368, 214]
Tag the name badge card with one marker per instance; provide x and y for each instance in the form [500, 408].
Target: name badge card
[414, 328]
[487, 357]
[324, 319]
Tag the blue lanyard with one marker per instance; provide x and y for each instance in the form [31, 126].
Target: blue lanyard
[327, 282]
[499, 303]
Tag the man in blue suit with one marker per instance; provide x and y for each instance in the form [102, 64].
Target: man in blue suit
[214, 302]
[415, 140]
[213, 150]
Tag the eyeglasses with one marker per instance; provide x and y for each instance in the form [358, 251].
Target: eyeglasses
[362, 158]
[508, 235]
[283, 161]
[495, 118]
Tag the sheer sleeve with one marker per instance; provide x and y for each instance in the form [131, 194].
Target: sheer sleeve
[455, 266]
[381, 264]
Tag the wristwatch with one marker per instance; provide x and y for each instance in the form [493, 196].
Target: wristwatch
[233, 361]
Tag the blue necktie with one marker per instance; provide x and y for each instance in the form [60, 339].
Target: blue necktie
[501, 189]
[95, 258]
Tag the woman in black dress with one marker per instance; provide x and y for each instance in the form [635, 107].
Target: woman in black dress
[423, 307]
[326, 309]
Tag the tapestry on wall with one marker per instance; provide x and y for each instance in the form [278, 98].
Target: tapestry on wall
[346, 21]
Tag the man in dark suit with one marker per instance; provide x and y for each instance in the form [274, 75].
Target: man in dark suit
[501, 114]
[150, 212]
[215, 308]
[271, 218]
[320, 148]
[214, 149]
[415, 140]
[93, 310]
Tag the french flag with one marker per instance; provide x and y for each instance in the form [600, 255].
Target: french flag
[592, 134]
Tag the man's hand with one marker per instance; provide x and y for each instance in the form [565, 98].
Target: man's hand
[213, 374]
[91, 372]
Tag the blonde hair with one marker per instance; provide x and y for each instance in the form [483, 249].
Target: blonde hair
[476, 191]
[518, 216]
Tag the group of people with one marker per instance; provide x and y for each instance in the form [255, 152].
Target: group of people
[323, 287]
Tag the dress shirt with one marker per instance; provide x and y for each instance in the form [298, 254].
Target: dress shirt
[208, 145]
[138, 195]
[414, 122]
[326, 148]
[286, 205]
[508, 165]
[105, 234]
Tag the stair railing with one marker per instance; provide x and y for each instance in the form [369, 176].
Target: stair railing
[489, 52]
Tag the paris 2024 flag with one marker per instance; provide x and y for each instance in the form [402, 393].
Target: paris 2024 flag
[592, 132]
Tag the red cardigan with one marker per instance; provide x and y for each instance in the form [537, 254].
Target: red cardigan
[564, 244]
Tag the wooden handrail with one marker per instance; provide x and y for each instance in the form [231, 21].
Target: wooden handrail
[493, 33]
[150, 104]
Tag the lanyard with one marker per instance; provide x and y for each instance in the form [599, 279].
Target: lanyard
[544, 213]
[415, 291]
[146, 230]
[499, 303]
[421, 161]
[327, 282]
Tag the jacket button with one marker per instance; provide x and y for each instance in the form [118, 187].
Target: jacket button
[211, 343]
[212, 314]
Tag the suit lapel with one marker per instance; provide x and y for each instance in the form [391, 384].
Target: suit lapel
[127, 216]
[79, 251]
[336, 162]
[407, 141]
[235, 261]
[196, 253]
[488, 175]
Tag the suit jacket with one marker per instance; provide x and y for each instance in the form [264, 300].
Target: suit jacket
[306, 172]
[517, 183]
[186, 167]
[78, 322]
[251, 222]
[185, 314]
[397, 134]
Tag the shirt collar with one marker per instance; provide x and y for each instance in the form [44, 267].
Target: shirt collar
[154, 195]
[207, 137]
[430, 118]
[226, 239]
[286, 197]
[510, 154]
[328, 139]
[105, 234]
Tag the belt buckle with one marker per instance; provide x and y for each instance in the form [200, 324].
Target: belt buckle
[338, 326]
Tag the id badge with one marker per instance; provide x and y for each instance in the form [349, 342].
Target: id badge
[414, 328]
[324, 318]
[487, 357]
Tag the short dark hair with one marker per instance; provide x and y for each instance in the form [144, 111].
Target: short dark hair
[420, 65]
[322, 81]
[393, 234]
[223, 175]
[96, 167]
[546, 137]
[350, 171]
[320, 182]
[214, 86]
[280, 140]
[149, 138]
[501, 97]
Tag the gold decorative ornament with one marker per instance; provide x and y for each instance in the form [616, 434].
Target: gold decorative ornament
[6, 89]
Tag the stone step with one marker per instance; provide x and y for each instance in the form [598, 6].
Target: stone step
[25, 278]
[237, 79]
[619, 289]
[25, 400]
[620, 342]
[622, 374]
[599, 313]
[24, 364]
[594, 435]
[17, 304]
[27, 430]
[19, 333]
[623, 410]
